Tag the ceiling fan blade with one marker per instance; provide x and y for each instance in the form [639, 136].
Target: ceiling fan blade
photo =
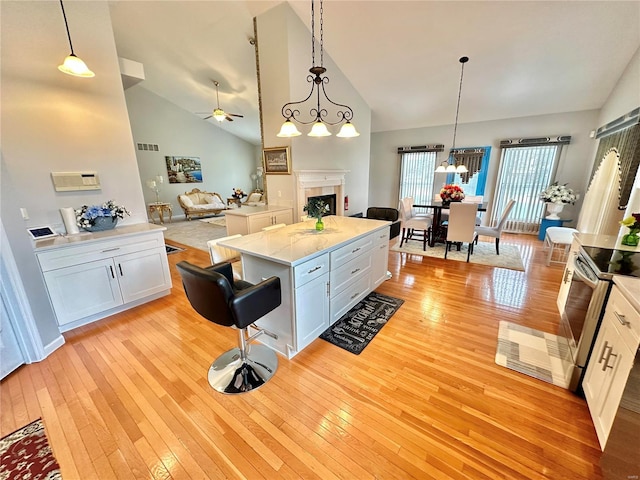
[236, 115]
[227, 117]
[207, 118]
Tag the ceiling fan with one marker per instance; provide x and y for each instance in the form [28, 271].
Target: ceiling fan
[219, 114]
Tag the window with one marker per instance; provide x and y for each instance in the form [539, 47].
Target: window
[524, 172]
[416, 176]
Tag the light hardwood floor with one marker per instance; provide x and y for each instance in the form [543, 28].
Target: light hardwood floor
[127, 397]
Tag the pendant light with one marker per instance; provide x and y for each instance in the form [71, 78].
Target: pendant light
[449, 165]
[318, 113]
[73, 65]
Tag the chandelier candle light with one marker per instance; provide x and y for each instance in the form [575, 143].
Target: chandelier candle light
[318, 113]
[449, 165]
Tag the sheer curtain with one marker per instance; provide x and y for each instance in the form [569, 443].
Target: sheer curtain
[524, 173]
[416, 176]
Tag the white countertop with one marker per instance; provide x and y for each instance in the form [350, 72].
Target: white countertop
[299, 242]
[248, 210]
[603, 241]
[86, 237]
[630, 288]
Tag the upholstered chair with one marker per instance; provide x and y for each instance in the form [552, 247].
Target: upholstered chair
[219, 254]
[386, 213]
[413, 228]
[215, 295]
[461, 226]
[496, 231]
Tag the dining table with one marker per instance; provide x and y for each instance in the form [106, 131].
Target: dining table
[439, 231]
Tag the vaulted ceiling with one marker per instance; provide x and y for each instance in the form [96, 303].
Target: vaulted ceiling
[526, 57]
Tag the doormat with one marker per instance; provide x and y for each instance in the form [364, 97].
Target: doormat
[538, 354]
[171, 249]
[26, 453]
[356, 328]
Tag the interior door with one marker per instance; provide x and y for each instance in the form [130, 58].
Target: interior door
[11, 356]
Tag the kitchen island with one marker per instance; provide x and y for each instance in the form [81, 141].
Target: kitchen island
[323, 274]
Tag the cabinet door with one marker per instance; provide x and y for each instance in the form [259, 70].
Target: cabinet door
[380, 258]
[142, 274]
[258, 222]
[312, 310]
[606, 376]
[82, 290]
[285, 216]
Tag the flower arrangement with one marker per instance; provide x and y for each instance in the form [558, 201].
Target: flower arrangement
[316, 208]
[86, 217]
[555, 193]
[238, 193]
[633, 224]
[451, 193]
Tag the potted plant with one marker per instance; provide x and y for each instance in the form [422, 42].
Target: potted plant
[97, 218]
[633, 224]
[556, 197]
[316, 208]
[451, 193]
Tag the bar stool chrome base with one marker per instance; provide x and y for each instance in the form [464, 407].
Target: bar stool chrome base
[231, 374]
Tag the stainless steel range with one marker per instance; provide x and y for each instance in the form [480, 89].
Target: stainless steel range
[593, 268]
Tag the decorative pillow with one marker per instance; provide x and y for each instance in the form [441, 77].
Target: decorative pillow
[209, 198]
[186, 201]
[217, 203]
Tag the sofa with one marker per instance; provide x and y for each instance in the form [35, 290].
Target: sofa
[197, 203]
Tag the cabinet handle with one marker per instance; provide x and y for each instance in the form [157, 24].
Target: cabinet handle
[355, 271]
[111, 268]
[622, 319]
[606, 360]
[383, 246]
[354, 251]
[328, 288]
[120, 267]
[604, 351]
[314, 269]
[354, 296]
[110, 249]
[567, 274]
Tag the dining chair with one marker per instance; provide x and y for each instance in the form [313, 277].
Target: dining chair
[413, 227]
[496, 231]
[218, 254]
[462, 225]
[475, 199]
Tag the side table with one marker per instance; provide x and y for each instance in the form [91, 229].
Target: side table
[160, 208]
[546, 223]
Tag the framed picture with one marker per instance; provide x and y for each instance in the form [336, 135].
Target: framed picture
[276, 160]
[184, 169]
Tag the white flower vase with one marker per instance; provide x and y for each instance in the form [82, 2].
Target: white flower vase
[553, 209]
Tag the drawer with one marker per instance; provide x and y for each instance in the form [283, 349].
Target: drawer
[93, 251]
[346, 299]
[343, 254]
[381, 236]
[627, 318]
[307, 271]
[343, 276]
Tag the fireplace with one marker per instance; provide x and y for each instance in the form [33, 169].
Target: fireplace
[329, 200]
[320, 183]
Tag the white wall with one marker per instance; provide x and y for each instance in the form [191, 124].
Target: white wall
[284, 45]
[227, 161]
[55, 122]
[573, 169]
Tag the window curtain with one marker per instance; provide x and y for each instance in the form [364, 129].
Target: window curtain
[416, 176]
[470, 158]
[524, 172]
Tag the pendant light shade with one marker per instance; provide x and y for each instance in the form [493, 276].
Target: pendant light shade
[318, 113]
[73, 65]
[219, 115]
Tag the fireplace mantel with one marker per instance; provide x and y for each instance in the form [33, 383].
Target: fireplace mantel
[320, 182]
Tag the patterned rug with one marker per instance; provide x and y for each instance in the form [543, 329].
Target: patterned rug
[193, 233]
[219, 221]
[538, 354]
[171, 249]
[484, 253]
[26, 454]
[358, 326]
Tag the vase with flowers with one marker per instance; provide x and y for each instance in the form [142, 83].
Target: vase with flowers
[238, 194]
[316, 208]
[556, 197]
[451, 193]
[633, 224]
[97, 218]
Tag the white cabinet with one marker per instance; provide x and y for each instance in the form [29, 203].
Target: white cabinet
[93, 279]
[380, 258]
[611, 362]
[250, 219]
[311, 300]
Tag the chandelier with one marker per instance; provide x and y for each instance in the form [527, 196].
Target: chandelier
[449, 165]
[318, 114]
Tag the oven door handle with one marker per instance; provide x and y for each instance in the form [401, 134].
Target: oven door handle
[582, 270]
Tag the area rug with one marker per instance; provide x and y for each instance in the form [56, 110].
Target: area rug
[484, 253]
[171, 249]
[538, 354]
[220, 221]
[26, 453]
[355, 329]
[193, 233]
